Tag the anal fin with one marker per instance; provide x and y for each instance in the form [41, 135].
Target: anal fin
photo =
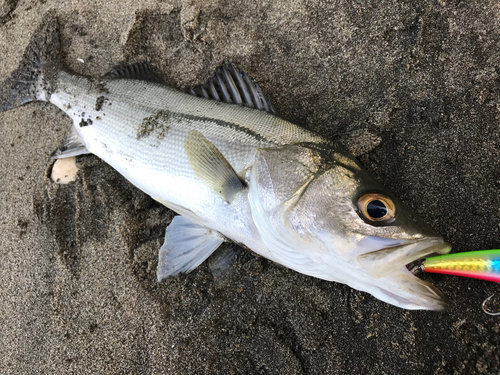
[186, 246]
[73, 145]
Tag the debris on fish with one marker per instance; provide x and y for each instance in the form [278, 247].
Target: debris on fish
[484, 264]
[220, 157]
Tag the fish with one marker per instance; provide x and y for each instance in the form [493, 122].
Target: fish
[233, 170]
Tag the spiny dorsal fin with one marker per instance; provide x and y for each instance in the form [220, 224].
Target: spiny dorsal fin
[211, 166]
[186, 246]
[141, 70]
[230, 86]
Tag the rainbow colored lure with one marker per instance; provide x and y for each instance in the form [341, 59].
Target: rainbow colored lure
[484, 264]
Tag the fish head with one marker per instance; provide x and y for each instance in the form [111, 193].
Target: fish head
[322, 214]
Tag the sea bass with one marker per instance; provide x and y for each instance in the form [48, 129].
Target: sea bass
[234, 171]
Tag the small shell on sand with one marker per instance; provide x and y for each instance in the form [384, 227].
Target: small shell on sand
[64, 171]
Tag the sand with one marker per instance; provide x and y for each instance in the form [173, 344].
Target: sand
[410, 87]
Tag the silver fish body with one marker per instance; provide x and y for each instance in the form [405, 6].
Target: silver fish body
[140, 129]
[240, 174]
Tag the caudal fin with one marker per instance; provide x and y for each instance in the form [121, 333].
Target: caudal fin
[35, 77]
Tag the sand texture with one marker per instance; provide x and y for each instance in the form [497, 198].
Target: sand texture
[411, 87]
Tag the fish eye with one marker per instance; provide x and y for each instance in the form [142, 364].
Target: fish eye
[376, 207]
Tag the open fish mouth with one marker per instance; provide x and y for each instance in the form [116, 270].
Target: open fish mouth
[401, 286]
[382, 262]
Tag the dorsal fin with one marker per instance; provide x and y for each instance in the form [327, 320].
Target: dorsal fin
[141, 70]
[230, 86]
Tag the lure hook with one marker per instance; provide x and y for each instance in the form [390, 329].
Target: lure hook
[485, 309]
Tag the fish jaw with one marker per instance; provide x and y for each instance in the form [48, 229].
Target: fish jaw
[384, 261]
[403, 289]
[392, 282]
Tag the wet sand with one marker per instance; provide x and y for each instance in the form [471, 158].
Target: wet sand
[411, 88]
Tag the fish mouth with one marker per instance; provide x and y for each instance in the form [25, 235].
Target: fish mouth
[402, 287]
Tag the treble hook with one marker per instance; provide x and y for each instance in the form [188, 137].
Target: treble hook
[486, 310]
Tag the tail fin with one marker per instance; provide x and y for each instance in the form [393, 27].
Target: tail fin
[35, 77]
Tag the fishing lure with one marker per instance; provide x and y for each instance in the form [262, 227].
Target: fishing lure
[484, 264]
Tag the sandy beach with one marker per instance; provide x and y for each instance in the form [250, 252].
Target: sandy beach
[412, 88]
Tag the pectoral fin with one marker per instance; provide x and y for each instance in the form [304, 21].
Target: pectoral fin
[186, 246]
[211, 166]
